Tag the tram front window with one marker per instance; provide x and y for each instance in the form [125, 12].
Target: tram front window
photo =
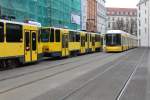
[113, 39]
[45, 35]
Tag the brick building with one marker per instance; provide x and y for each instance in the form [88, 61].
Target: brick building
[91, 16]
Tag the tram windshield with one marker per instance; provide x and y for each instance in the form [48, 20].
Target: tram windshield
[113, 39]
[45, 35]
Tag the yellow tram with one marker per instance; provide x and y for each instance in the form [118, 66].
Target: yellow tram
[59, 42]
[25, 43]
[18, 43]
[118, 41]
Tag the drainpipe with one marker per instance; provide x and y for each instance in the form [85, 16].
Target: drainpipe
[148, 25]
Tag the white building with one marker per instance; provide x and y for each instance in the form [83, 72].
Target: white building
[122, 19]
[84, 14]
[101, 16]
[144, 23]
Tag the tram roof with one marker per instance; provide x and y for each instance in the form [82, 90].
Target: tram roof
[116, 32]
[20, 23]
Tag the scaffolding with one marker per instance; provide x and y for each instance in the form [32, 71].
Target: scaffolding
[48, 12]
[59, 12]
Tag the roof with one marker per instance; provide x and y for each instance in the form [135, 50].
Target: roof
[122, 11]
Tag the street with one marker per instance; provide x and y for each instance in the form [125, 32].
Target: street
[97, 76]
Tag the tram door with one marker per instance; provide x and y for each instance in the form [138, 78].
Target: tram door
[88, 41]
[30, 46]
[65, 40]
[93, 43]
[82, 44]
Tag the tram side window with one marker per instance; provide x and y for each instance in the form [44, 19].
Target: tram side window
[13, 33]
[95, 38]
[57, 35]
[71, 36]
[118, 39]
[1, 32]
[86, 37]
[45, 35]
[90, 38]
[52, 35]
[77, 37]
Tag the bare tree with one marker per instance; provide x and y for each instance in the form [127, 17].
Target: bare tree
[120, 24]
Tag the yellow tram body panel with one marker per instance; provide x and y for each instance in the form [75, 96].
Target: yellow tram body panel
[113, 48]
[73, 46]
[11, 49]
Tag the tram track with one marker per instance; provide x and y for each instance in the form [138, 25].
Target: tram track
[121, 93]
[59, 72]
[48, 66]
[47, 76]
[90, 80]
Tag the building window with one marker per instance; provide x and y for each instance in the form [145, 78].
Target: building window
[112, 13]
[13, 33]
[139, 32]
[128, 13]
[145, 20]
[118, 13]
[109, 25]
[113, 18]
[145, 30]
[139, 23]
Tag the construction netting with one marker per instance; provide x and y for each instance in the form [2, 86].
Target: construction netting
[48, 12]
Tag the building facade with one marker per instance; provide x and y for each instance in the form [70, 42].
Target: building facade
[83, 14]
[91, 24]
[57, 13]
[101, 16]
[122, 19]
[144, 23]
[21, 10]
[96, 16]
[65, 13]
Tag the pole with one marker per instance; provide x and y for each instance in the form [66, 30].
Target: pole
[148, 25]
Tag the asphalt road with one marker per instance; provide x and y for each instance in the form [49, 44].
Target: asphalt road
[98, 76]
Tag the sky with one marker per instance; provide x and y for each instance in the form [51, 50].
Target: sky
[122, 3]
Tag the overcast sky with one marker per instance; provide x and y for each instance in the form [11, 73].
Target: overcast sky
[122, 3]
